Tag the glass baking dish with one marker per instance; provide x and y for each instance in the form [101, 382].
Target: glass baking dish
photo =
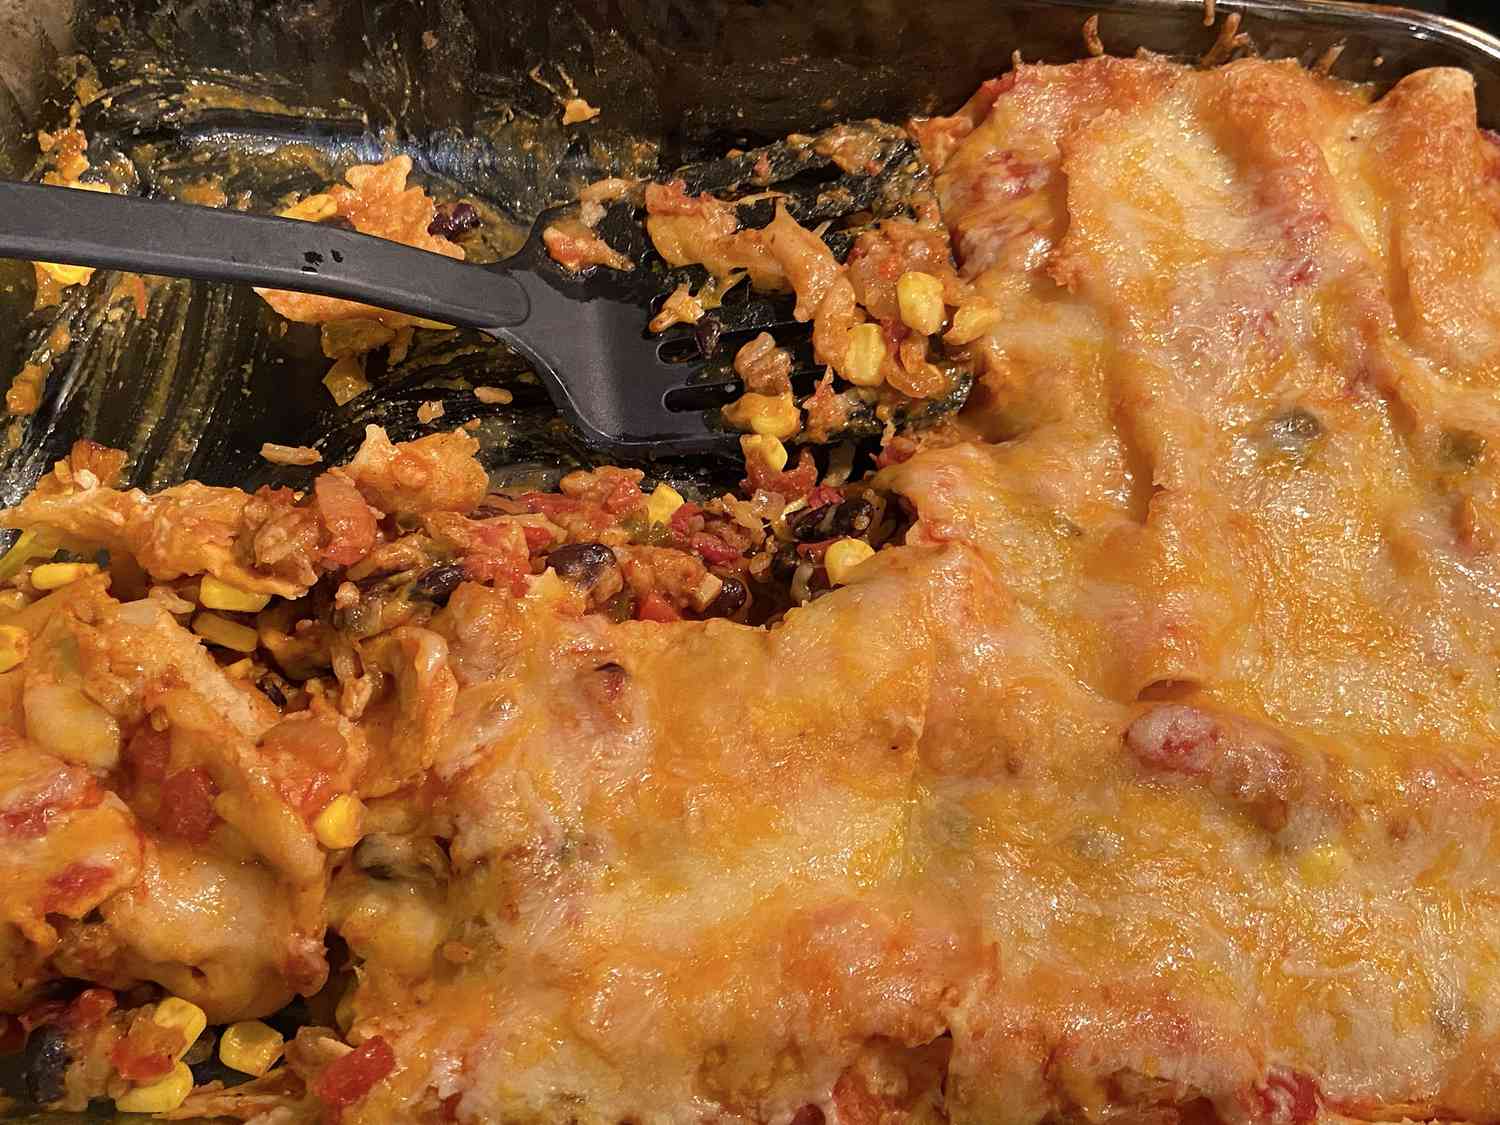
[194, 388]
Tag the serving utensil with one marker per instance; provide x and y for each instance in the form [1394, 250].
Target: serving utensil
[625, 388]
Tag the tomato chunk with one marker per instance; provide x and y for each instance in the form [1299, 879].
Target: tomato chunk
[350, 1078]
[348, 520]
[187, 805]
[654, 607]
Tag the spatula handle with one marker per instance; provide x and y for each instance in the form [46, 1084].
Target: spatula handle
[55, 224]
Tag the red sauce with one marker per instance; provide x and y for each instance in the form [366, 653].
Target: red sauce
[350, 1078]
[147, 755]
[31, 817]
[1289, 1097]
[187, 805]
[549, 505]
[73, 885]
[347, 520]
[536, 537]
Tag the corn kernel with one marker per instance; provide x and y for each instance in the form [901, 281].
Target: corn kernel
[250, 1047]
[28, 545]
[766, 448]
[920, 298]
[54, 576]
[161, 1096]
[341, 823]
[1324, 864]
[313, 209]
[214, 594]
[15, 644]
[183, 1016]
[775, 416]
[866, 354]
[225, 633]
[971, 322]
[842, 557]
[662, 503]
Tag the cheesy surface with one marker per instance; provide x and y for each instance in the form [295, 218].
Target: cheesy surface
[1155, 777]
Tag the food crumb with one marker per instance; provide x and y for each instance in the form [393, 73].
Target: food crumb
[290, 454]
[429, 412]
[576, 110]
[1091, 40]
[429, 40]
[346, 379]
[494, 395]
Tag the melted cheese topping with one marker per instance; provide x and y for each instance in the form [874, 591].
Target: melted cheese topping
[1159, 770]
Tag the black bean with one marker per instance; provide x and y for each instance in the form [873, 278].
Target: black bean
[45, 1064]
[1292, 432]
[833, 521]
[706, 333]
[784, 562]
[437, 583]
[1461, 449]
[582, 563]
[454, 220]
[271, 689]
[732, 598]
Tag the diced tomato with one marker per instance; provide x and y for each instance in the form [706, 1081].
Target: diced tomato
[713, 549]
[681, 524]
[73, 885]
[815, 551]
[624, 496]
[187, 805]
[790, 483]
[536, 537]
[350, 1078]
[348, 522]
[147, 1051]
[88, 1009]
[654, 607]
[147, 754]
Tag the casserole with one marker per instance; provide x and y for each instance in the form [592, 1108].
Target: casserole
[1140, 842]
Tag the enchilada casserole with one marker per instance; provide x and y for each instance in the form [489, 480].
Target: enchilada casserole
[1123, 749]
